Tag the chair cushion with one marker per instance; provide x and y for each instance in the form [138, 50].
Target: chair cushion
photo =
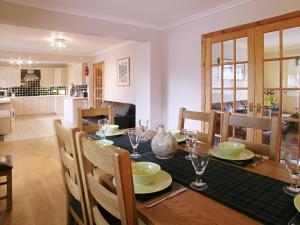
[6, 162]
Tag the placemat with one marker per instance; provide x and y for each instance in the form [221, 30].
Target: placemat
[257, 196]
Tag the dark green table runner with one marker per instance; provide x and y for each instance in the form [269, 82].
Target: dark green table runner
[257, 196]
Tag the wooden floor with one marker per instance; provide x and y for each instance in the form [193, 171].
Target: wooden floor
[38, 196]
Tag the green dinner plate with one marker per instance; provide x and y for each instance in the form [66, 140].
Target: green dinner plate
[116, 133]
[244, 155]
[104, 143]
[160, 182]
[297, 202]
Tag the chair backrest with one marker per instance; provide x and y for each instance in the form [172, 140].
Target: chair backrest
[115, 162]
[210, 118]
[82, 113]
[66, 144]
[272, 124]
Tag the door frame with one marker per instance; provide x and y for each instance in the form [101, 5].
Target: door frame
[101, 63]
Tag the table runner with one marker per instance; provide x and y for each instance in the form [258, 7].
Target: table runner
[257, 196]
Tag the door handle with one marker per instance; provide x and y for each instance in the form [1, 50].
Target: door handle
[258, 107]
[251, 107]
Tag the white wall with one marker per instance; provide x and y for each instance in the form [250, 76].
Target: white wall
[183, 50]
[138, 92]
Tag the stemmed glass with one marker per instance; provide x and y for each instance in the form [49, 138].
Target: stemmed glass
[103, 125]
[134, 135]
[191, 141]
[199, 161]
[144, 126]
[292, 163]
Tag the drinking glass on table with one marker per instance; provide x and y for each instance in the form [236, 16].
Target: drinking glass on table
[199, 161]
[103, 125]
[134, 135]
[191, 141]
[144, 126]
[292, 163]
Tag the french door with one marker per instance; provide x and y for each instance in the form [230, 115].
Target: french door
[98, 84]
[255, 72]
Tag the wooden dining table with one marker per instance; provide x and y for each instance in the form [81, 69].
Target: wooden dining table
[192, 208]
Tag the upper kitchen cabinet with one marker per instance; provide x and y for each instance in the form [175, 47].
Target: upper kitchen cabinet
[76, 73]
[60, 77]
[10, 77]
[47, 77]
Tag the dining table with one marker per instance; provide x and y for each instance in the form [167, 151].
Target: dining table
[236, 194]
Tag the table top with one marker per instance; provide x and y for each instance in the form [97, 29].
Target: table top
[191, 208]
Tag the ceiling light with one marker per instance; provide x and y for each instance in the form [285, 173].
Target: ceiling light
[58, 43]
[24, 62]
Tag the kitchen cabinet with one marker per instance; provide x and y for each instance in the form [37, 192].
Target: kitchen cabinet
[31, 105]
[71, 106]
[17, 105]
[60, 77]
[51, 104]
[10, 77]
[59, 105]
[43, 104]
[76, 74]
[47, 77]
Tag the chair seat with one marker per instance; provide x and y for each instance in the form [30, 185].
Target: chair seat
[75, 204]
[6, 162]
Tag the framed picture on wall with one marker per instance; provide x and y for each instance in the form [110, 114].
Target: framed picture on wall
[123, 71]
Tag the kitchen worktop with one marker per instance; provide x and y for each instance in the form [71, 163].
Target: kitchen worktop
[5, 100]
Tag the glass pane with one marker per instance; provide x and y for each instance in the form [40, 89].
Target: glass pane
[228, 100]
[240, 133]
[291, 73]
[271, 45]
[216, 53]
[241, 101]
[291, 42]
[228, 75]
[290, 104]
[216, 99]
[242, 49]
[242, 75]
[290, 135]
[228, 51]
[271, 103]
[216, 76]
[272, 74]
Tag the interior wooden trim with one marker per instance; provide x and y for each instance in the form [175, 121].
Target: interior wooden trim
[271, 20]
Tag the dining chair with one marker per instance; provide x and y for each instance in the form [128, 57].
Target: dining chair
[210, 118]
[75, 201]
[272, 124]
[88, 118]
[6, 166]
[114, 204]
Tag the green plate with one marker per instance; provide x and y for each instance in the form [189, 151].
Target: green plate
[161, 182]
[244, 155]
[104, 143]
[180, 138]
[297, 202]
[118, 132]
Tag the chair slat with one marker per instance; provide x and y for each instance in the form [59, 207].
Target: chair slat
[98, 218]
[256, 123]
[109, 201]
[73, 187]
[202, 116]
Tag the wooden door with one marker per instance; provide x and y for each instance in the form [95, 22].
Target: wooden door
[98, 84]
[278, 78]
[229, 66]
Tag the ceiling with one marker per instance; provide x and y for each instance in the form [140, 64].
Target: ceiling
[22, 39]
[154, 13]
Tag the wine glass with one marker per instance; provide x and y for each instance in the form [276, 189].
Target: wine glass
[199, 161]
[103, 125]
[144, 126]
[134, 135]
[191, 140]
[292, 163]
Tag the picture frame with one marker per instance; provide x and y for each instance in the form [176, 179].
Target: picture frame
[123, 72]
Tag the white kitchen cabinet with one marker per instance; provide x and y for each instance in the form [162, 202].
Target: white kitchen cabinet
[71, 106]
[43, 104]
[10, 77]
[60, 77]
[47, 77]
[59, 105]
[31, 105]
[17, 105]
[3, 82]
[51, 104]
[76, 74]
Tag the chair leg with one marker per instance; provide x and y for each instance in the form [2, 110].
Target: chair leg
[9, 190]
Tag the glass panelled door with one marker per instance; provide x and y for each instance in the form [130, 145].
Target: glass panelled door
[278, 60]
[230, 79]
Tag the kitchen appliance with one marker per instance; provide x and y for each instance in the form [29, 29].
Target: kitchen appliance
[3, 94]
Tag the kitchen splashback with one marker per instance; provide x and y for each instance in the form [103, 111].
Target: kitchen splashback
[35, 90]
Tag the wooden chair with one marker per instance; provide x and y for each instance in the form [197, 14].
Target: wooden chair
[272, 150]
[104, 205]
[84, 113]
[76, 207]
[210, 118]
[6, 166]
